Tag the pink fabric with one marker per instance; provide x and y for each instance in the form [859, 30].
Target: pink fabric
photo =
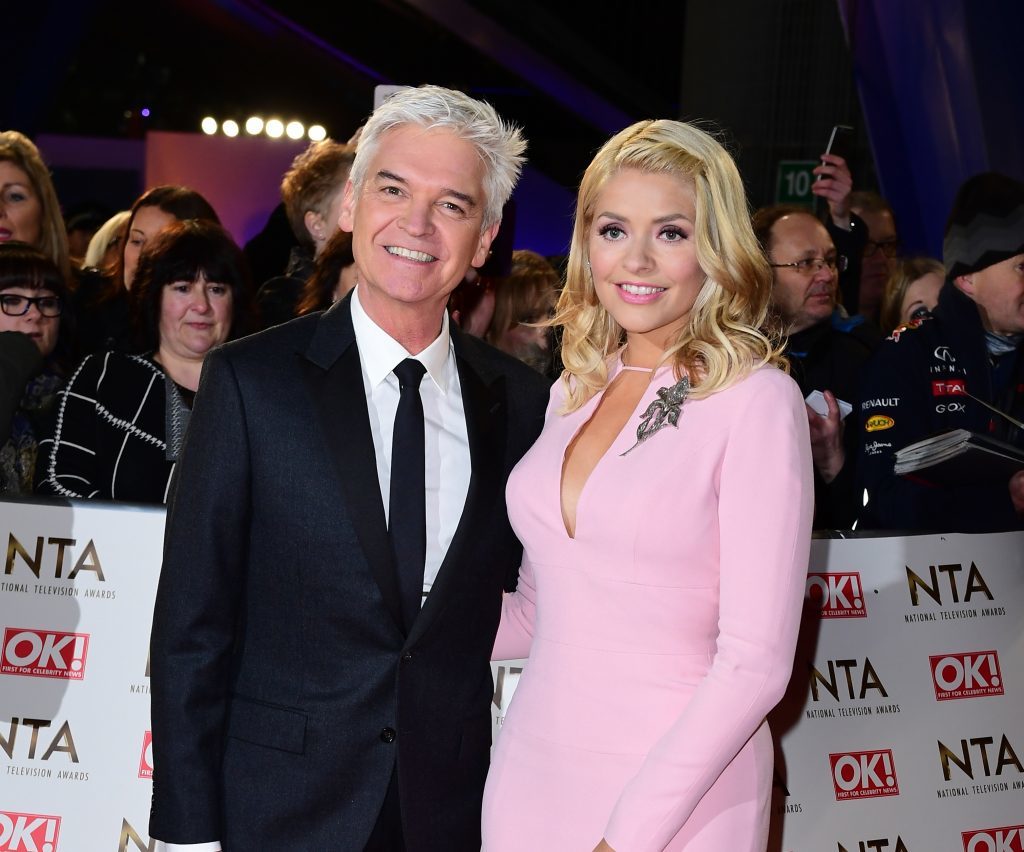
[660, 637]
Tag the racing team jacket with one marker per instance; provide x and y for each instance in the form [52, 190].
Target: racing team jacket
[916, 386]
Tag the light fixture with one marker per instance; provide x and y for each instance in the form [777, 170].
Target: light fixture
[317, 132]
[209, 125]
[295, 130]
[254, 125]
[229, 128]
[274, 128]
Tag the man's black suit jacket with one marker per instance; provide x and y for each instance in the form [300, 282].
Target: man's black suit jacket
[283, 687]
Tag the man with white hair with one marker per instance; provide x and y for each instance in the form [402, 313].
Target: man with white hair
[337, 542]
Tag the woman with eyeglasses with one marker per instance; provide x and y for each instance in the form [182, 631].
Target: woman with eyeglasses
[34, 350]
[121, 423]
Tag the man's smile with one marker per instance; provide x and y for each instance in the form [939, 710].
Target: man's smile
[409, 254]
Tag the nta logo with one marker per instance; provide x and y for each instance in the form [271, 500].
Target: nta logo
[975, 584]
[858, 679]
[965, 759]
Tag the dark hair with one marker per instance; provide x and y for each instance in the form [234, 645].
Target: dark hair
[872, 202]
[318, 291]
[182, 252]
[764, 220]
[180, 201]
[22, 265]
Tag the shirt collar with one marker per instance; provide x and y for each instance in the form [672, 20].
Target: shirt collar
[380, 353]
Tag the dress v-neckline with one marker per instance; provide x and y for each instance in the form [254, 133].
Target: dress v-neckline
[578, 432]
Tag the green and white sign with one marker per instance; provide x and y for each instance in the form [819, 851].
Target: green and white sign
[793, 182]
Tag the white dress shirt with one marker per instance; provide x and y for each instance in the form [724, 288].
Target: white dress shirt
[446, 444]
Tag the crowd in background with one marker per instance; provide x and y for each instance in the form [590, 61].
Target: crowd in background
[112, 320]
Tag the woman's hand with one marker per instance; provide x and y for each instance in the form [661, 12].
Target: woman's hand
[603, 846]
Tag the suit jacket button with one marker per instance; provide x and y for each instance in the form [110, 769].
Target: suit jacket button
[406, 657]
[387, 735]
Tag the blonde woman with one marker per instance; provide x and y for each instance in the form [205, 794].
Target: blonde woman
[665, 513]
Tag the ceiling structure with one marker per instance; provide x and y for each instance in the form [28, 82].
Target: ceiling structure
[568, 80]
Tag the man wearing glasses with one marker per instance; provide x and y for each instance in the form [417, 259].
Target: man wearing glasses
[880, 250]
[827, 350]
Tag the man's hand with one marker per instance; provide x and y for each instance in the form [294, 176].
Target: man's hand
[834, 186]
[827, 439]
[1017, 491]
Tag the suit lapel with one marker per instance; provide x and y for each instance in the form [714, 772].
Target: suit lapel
[335, 380]
[483, 398]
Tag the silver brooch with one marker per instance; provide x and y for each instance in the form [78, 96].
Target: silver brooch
[664, 411]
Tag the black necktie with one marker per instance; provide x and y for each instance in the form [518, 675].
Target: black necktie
[407, 508]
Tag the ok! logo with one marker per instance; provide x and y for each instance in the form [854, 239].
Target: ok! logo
[1009, 838]
[146, 760]
[839, 595]
[863, 774]
[966, 675]
[44, 653]
[28, 832]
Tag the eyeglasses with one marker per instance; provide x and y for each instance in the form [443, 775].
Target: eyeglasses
[810, 265]
[890, 248]
[17, 306]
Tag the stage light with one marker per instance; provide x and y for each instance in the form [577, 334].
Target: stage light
[209, 125]
[295, 130]
[254, 125]
[274, 128]
[317, 132]
[229, 128]
[145, 112]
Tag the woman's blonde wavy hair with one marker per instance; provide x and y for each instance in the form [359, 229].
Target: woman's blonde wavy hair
[725, 337]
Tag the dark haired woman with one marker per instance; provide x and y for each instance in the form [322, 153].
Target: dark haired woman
[33, 293]
[121, 422]
[101, 301]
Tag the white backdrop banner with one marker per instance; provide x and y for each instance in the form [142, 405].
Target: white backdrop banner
[76, 605]
[902, 727]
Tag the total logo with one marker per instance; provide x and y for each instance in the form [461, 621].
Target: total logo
[146, 760]
[28, 832]
[863, 774]
[1009, 838]
[967, 675]
[44, 653]
[837, 595]
[949, 387]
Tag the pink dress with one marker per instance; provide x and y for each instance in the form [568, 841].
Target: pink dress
[660, 636]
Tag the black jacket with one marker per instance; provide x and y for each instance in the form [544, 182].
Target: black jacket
[831, 356]
[284, 688]
[915, 388]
